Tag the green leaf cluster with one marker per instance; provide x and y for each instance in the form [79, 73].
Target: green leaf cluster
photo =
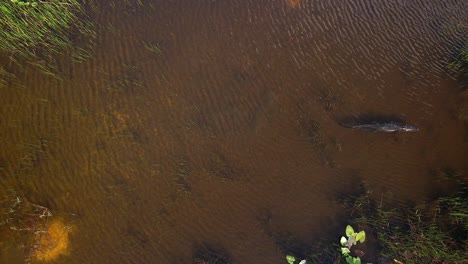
[353, 260]
[290, 259]
[352, 239]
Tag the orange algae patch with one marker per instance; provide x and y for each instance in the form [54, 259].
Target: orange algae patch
[294, 3]
[53, 242]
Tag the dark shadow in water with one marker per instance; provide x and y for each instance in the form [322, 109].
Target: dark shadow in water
[323, 146]
[206, 253]
[312, 131]
[350, 185]
[135, 241]
[447, 181]
[290, 245]
[286, 242]
[329, 99]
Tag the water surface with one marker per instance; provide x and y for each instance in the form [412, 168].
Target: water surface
[227, 136]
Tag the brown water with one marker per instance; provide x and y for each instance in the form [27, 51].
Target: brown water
[229, 135]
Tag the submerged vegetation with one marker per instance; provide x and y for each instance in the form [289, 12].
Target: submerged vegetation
[432, 233]
[351, 239]
[40, 235]
[460, 64]
[36, 30]
[153, 48]
[206, 254]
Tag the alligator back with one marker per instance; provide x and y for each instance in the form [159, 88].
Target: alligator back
[377, 124]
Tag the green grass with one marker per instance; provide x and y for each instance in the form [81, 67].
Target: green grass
[417, 240]
[433, 233]
[36, 33]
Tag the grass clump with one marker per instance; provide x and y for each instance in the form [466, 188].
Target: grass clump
[153, 48]
[434, 233]
[459, 66]
[37, 29]
[205, 254]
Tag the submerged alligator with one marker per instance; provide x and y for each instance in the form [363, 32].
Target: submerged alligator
[385, 127]
[378, 124]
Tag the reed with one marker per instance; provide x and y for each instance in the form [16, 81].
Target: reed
[433, 233]
[459, 66]
[154, 48]
[35, 30]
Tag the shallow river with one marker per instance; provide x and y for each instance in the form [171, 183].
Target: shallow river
[214, 124]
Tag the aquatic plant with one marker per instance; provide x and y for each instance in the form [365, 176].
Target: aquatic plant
[206, 254]
[434, 233]
[41, 236]
[297, 251]
[291, 259]
[137, 3]
[23, 221]
[182, 174]
[129, 78]
[459, 66]
[33, 30]
[221, 168]
[352, 239]
[154, 48]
